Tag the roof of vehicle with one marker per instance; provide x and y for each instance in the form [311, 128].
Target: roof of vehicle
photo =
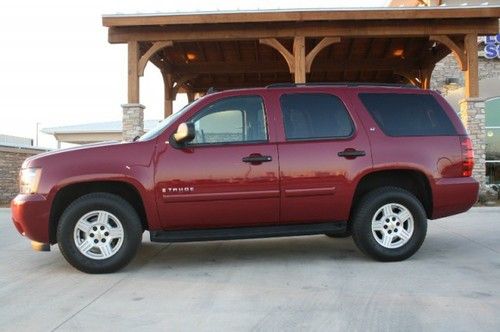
[343, 85]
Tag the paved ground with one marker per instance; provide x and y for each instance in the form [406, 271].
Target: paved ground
[303, 283]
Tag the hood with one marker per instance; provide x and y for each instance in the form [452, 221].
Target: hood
[63, 152]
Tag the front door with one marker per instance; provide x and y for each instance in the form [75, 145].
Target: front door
[227, 176]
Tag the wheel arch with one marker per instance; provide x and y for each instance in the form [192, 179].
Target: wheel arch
[67, 194]
[412, 180]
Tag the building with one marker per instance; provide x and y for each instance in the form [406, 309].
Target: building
[13, 151]
[91, 132]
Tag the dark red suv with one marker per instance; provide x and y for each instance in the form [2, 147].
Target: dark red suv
[372, 161]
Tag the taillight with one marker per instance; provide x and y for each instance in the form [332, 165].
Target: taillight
[467, 156]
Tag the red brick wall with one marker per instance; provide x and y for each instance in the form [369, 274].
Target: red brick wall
[11, 160]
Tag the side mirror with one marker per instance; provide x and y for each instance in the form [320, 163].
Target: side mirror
[184, 134]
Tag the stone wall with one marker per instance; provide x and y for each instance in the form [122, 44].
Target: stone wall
[132, 121]
[11, 160]
[472, 111]
[448, 68]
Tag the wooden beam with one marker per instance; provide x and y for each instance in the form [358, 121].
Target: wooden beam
[471, 74]
[325, 42]
[457, 51]
[383, 28]
[332, 65]
[274, 43]
[133, 77]
[149, 53]
[299, 55]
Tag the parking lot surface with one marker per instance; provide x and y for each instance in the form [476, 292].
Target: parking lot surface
[301, 283]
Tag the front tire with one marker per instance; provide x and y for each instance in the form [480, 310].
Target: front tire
[99, 233]
[389, 224]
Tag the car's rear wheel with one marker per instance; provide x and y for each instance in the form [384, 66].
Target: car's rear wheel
[99, 233]
[389, 224]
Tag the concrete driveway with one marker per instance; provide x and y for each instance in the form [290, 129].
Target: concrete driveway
[302, 283]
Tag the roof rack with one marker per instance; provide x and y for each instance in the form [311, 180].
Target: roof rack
[296, 85]
[212, 90]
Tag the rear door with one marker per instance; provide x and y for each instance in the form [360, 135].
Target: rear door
[323, 151]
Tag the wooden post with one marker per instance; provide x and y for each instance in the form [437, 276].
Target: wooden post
[169, 107]
[168, 83]
[190, 96]
[299, 54]
[133, 76]
[425, 78]
[471, 74]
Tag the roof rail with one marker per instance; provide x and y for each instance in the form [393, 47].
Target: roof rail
[296, 85]
[211, 90]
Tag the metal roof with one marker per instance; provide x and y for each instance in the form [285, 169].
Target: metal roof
[312, 14]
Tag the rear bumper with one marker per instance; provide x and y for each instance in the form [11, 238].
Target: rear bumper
[30, 214]
[454, 195]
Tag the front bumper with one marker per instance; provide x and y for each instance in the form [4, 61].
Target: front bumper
[30, 214]
[454, 195]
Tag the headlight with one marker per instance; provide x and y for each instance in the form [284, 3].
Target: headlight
[29, 178]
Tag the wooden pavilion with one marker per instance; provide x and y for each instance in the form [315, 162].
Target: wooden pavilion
[196, 51]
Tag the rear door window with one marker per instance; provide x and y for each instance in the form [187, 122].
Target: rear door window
[408, 114]
[314, 116]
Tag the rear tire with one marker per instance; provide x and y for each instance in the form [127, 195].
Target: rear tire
[99, 233]
[389, 224]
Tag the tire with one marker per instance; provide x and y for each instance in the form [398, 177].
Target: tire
[393, 240]
[105, 227]
[346, 233]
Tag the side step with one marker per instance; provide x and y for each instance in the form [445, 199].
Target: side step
[235, 233]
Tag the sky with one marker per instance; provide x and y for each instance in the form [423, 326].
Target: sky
[58, 69]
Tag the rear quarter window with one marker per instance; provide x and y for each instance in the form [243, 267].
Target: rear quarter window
[408, 114]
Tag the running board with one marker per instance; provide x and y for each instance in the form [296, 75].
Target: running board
[235, 233]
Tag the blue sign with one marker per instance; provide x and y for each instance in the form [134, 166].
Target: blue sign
[492, 47]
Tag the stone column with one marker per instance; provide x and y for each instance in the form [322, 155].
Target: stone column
[472, 113]
[132, 121]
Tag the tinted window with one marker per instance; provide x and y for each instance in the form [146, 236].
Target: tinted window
[408, 114]
[314, 115]
[231, 120]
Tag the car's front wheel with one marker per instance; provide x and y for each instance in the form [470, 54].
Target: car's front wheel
[389, 224]
[99, 233]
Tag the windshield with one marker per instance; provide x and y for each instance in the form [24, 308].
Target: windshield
[158, 129]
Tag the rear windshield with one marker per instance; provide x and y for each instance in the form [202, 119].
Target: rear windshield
[408, 114]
